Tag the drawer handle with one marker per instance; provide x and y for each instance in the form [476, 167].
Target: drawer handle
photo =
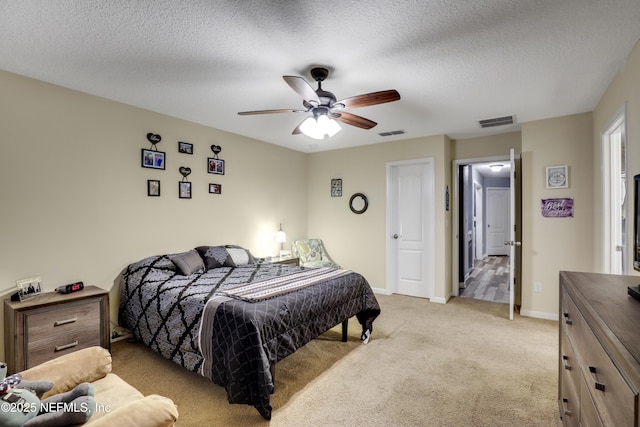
[65, 322]
[564, 409]
[66, 346]
[566, 366]
[598, 385]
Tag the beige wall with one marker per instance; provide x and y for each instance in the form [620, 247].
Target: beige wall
[553, 244]
[623, 92]
[358, 241]
[74, 202]
[486, 146]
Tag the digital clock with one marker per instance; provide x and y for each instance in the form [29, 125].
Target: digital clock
[73, 287]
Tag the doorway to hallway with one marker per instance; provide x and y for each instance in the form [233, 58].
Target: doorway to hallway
[481, 262]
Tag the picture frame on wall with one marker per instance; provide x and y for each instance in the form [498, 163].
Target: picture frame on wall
[336, 187]
[153, 187]
[557, 177]
[215, 188]
[153, 159]
[185, 147]
[215, 165]
[184, 190]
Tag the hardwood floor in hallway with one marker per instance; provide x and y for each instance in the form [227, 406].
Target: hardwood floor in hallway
[489, 280]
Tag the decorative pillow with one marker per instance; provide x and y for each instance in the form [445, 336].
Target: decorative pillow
[240, 255]
[215, 256]
[187, 262]
[308, 253]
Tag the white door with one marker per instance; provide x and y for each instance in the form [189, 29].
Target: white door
[411, 227]
[478, 221]
[512, 243]
[497, 220]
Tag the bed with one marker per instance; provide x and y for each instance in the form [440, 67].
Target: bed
[218, 311]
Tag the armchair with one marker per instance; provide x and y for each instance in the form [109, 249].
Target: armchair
[312, 253]
[118, 403]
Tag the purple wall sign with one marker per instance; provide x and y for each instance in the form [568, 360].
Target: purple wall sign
[557, 208]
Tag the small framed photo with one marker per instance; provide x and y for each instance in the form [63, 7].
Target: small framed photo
[557, 177]
[336, 187]
[184, 190]
[215, 165]
[153, 187]
[28, 288]
[215, 188]
[185, 147]
[152, 159]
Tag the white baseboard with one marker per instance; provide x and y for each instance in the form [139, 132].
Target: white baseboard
[540, 315]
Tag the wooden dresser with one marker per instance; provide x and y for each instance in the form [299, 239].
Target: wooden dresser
[599, 363]
[53, 324]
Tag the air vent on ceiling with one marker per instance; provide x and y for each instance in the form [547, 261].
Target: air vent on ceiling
[393, 132]
[498, 121]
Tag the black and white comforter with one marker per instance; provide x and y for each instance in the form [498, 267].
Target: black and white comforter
[164, 310]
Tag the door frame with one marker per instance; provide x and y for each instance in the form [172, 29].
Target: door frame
[391, 262]
[609, 193]
[455, 217]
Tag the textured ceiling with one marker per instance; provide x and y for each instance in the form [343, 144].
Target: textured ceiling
[453, 62]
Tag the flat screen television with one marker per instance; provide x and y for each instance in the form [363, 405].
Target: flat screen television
[636, 223]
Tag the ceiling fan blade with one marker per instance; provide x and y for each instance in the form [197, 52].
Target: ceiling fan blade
[302, 88]
[353, 120]
[247, 113]
[372, 98]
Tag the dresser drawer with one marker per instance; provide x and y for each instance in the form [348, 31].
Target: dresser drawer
[613, 398]
[570, 315]
[51, 333]
[570, 379]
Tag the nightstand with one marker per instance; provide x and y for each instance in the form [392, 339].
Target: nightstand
[53, 324]
[286, 260]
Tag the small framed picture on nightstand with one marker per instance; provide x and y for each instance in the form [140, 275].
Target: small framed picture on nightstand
[28, 288]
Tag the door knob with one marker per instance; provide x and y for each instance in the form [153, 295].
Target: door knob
[395, 236]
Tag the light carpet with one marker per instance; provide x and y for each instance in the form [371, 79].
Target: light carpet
[458, 364]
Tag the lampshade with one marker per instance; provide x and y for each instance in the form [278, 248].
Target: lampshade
[281, 236]
[495, 168]
[318, 127]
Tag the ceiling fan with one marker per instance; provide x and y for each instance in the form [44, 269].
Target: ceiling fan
[325, 109]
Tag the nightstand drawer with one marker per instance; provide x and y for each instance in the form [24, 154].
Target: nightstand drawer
[52, 333]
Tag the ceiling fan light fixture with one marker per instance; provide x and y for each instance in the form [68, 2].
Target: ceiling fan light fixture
[318, 128]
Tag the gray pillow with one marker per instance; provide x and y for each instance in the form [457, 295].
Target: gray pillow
[215, 256]
[187, 263]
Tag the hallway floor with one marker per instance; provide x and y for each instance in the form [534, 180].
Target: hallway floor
[489, 280]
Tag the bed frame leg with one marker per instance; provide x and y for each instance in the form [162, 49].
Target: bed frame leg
[345, 327]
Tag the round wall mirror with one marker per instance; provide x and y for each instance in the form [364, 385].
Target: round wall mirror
[358, 203]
